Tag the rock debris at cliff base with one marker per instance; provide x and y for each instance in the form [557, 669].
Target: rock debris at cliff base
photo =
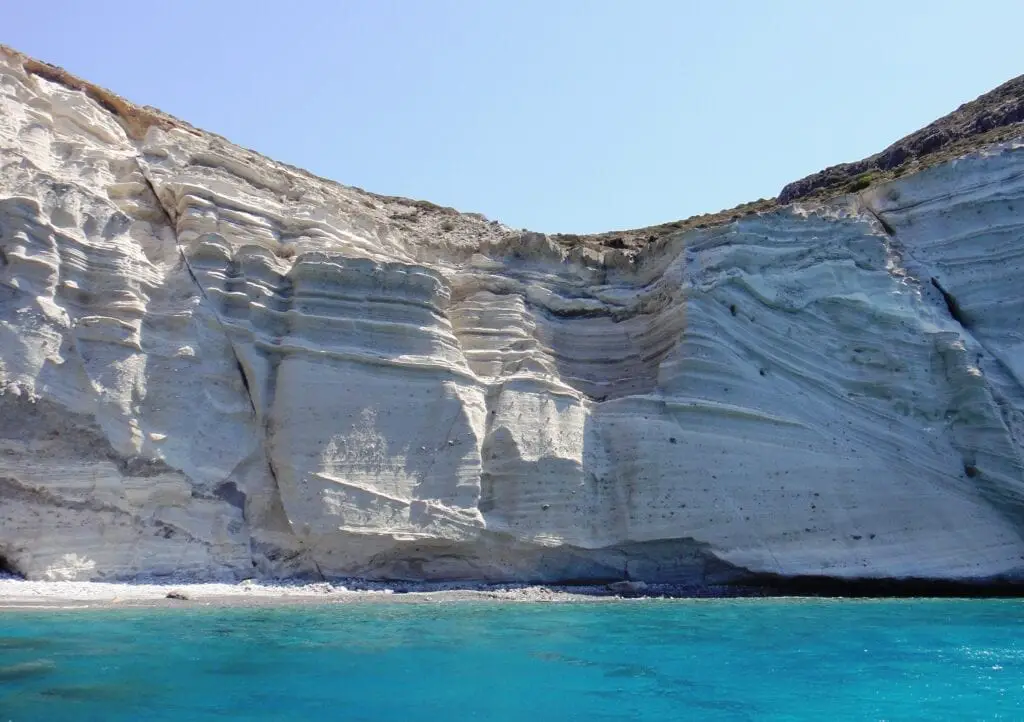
[218, 366]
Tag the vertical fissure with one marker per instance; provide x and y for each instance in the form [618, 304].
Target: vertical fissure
[172, 223]
[952, 305]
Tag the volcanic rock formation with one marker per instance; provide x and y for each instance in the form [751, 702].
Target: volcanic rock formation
[216, 365]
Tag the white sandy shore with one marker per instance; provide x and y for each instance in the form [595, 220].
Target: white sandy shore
[18, 593]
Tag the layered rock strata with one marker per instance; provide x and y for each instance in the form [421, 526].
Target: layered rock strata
[217, 365]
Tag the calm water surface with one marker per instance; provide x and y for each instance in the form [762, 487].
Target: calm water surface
[641, 660]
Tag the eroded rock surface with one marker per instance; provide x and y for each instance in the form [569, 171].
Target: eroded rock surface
[217, 365]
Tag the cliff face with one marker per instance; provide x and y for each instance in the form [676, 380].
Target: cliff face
[218, 365]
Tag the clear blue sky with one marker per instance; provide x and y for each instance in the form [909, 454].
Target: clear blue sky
[557, 115]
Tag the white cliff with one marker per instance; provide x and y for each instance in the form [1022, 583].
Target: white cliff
[217, 365]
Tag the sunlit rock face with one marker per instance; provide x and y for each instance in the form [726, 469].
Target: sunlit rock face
[219, 366]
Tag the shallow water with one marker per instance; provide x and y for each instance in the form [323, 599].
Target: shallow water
[752, 659]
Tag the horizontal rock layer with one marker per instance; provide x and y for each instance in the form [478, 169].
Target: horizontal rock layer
[216, 365]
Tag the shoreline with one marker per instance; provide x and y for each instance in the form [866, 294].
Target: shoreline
[21, 594]
[26, 595]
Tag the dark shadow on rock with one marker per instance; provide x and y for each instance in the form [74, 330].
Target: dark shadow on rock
[817, 586]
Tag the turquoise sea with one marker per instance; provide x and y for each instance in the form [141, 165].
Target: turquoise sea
[751, 659]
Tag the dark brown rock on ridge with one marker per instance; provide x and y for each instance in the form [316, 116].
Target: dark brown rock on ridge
[992, 117]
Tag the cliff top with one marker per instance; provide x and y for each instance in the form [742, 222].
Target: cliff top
[991, 118]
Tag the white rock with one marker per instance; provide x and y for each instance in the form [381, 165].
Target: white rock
[343, 384]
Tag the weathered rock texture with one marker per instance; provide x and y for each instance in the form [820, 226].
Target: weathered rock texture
[214, 364]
